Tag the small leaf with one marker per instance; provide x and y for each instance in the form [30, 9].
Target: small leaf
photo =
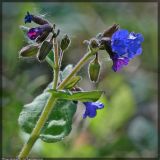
[90, 96]
[73, 82]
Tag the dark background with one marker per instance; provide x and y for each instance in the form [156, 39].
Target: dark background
[127, 126]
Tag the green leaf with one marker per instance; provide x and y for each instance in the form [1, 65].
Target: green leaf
[83, 96]
[59, 123]
[74, 80]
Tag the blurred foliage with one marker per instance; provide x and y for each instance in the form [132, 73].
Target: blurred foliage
[127, 126]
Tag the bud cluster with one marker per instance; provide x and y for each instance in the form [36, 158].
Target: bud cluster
[41, 37]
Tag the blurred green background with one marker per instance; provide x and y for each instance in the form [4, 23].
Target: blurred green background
[127, 126]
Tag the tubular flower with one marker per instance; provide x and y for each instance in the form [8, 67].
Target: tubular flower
[125, 46]
[33, 33]
[91, 108]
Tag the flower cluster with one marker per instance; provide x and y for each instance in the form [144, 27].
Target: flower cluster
[121, 45]
[41, 41]
[41, 32]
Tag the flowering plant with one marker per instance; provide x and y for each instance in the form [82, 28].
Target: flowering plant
[49, 116]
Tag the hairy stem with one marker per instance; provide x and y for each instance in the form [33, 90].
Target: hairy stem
[48, 108]
[56, 65]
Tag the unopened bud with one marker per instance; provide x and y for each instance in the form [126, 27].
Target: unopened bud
[29, 51]
[110, 30]
[42, 37]
[39, 20]
[65, 43]
[94, 69]
[45, 48]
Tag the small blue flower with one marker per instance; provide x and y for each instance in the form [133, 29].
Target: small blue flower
[91, 108]
[28, 18]
[125, 46]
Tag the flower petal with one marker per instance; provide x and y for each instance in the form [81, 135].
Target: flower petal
[91, 108]
[118, 63]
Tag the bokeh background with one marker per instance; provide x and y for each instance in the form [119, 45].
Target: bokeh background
[127, 126]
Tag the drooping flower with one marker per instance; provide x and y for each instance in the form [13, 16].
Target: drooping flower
[91, 108]
[122, 47]
[42, 30]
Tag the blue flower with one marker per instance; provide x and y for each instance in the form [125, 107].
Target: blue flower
[125, 43]
[28, 18]
[125, 46]
[91, 108]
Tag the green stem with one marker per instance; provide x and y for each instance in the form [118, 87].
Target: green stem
[47, 110]
[56, 65]
[36, 131]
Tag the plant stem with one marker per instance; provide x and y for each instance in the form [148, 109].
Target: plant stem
[36, 131]
[56, 65]
[48, 108]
